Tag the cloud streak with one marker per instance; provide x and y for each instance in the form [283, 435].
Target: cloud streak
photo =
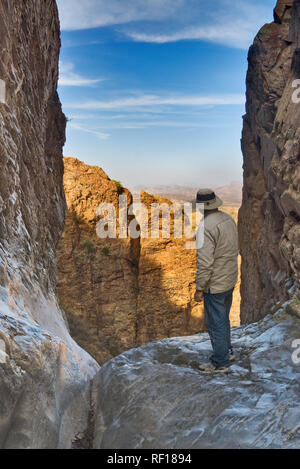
[237, 36]
[101, 135]
[67, 77]
[144, 101]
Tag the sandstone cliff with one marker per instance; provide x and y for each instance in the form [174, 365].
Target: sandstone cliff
[97, 277]
[270, 215]
[122, 293]
[44, 376]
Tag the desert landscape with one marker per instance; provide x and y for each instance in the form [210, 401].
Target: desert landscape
[231, 194]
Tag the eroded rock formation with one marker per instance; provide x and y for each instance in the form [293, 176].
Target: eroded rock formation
[122, 293]
[270, 216]
[44, 376]
[97, 277]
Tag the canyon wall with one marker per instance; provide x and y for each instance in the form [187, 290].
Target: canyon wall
[44, 376]
[269, 219]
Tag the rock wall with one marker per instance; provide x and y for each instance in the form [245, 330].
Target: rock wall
[120, 293]
[270, 215]
[44, 376]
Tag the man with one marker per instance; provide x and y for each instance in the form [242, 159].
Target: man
[217, 275]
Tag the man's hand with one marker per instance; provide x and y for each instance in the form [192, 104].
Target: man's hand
[199, 297]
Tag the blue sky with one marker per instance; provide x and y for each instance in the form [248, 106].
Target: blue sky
[154, 89]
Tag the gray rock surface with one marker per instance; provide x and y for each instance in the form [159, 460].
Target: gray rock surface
[154, 397]
[44, 376]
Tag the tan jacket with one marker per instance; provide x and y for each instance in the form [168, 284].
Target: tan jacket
[217, 260]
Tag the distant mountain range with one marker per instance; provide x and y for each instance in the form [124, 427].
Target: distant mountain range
[230, 194]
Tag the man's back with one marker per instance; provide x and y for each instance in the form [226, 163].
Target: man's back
[217, 275]
[218, 257]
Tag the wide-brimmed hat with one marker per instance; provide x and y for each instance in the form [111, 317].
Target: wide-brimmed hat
[209, 199]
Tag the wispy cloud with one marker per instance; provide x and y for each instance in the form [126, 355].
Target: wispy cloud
[145, 101]
[159, 123]
[68, 77]
[86, 14]
[139, 125]
[237, 35]
[101, 135]
[232, 23]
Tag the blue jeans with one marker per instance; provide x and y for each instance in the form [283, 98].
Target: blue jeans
[217, 309]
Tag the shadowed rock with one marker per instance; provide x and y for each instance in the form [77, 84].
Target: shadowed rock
[270, 213]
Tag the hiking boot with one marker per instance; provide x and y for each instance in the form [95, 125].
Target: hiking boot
[210, 368]
[232, 357]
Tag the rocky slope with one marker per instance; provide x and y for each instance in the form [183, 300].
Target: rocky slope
[122, 293]
[44, 376]
[270, 215]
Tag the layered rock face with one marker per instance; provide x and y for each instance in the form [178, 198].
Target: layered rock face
[44, 376]
[270, 215]
[122, 293]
